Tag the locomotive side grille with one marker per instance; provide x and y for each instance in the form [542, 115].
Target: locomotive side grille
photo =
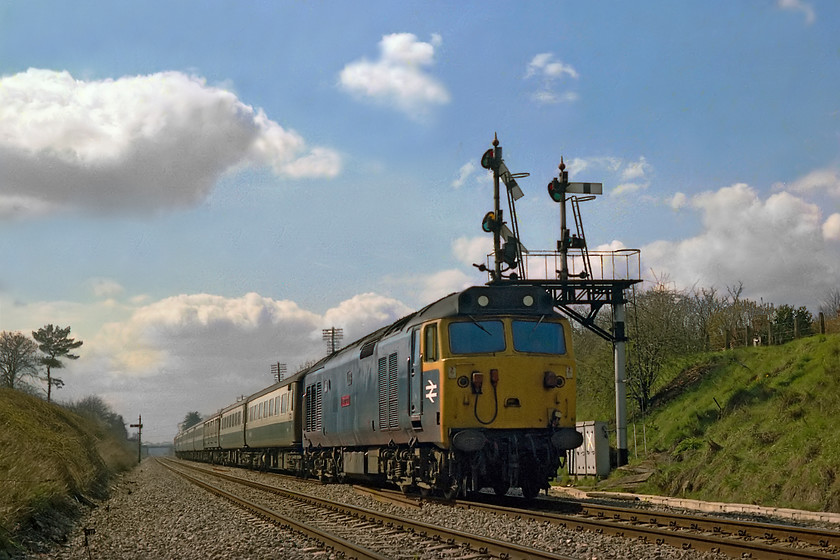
[387, 374]
[383, 393]
[393, 423]
[313, 407]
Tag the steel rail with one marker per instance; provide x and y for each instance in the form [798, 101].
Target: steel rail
[351, 550]
[395, 498]
[745, 529]
[482, 544]
[745, 547]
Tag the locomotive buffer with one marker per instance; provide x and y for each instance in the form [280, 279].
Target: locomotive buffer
[572, 292]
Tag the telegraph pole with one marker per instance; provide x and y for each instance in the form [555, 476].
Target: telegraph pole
[139, 426]
[332, 336]
[278, 371]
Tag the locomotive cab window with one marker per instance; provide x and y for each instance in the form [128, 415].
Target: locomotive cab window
[538, 337]
[476, 337]
[430, 343]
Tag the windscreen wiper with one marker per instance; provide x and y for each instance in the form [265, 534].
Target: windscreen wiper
[476, 323]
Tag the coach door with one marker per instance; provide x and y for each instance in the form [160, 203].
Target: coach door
[415, 382]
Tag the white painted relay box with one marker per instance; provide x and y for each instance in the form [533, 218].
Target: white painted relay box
[593, 456]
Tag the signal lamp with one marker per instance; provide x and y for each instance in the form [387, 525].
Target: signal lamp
[488, 160]
[490, 223]
[556, 190]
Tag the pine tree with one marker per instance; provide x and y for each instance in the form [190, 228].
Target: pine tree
[55, 344]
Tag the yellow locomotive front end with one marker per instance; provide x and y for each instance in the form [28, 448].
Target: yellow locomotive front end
[507, 377]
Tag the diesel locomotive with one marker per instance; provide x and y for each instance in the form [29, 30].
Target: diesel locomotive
[476, 390]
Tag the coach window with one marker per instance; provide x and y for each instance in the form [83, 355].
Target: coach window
[430, 337]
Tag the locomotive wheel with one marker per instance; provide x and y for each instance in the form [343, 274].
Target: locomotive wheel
[500, 487]
[529, 480]
[530, 490]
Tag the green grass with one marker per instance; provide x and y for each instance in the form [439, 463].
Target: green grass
[758, 425]
[47, 456]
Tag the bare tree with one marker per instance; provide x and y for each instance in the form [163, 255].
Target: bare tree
[18, 358]
[661, 327]
[830, 305]
[707, 305]
[93, 406]
[56, 344]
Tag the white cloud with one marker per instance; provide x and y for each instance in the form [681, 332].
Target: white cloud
[549, 71]
[831, 228]
[445, 282]
[133, 144]
[627, 188]
[544, 64]
[635, 169]
[105, 287]
[363, 314]
[679, 200]
[627, 176]
[19, 206]
[799, 6]
[472, 250]
[464, 173]
[820, 180]
[778, 246]
[548, 97]
[399, 77]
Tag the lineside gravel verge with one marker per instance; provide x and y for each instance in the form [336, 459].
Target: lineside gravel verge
[154, 515]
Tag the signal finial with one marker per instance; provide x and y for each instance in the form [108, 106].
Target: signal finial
[562, 165]
[495, 139]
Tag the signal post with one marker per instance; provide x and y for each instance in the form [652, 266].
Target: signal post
[571, 292]
[139, 426]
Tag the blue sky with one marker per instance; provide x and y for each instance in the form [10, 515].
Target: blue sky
[198, 188]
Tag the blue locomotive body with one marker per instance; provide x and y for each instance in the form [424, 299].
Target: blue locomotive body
[475, 390]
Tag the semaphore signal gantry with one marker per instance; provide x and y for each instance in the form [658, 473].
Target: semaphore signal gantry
[578, 289]
[576, 277]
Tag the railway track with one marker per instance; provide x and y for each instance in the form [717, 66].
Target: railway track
[340, 526]
[739, 539]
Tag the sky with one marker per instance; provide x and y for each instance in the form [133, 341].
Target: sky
[199, 188]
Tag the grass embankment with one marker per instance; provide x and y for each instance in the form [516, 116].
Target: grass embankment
[751, 425]
[49, 459]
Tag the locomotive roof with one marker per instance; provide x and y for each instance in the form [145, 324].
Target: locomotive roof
[499, 300]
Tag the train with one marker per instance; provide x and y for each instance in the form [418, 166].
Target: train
[473, 391]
